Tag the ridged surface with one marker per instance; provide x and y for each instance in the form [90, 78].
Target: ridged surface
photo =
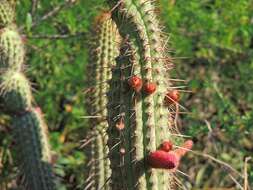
[12, 50]
[33, 151]
[15, 92]
[103, 50]
[146, 118]
[7, 14]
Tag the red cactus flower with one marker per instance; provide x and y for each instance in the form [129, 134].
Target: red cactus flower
[135, 83]
[149, 88]
[185, 148]
[166, 146]
[163, 160]
[172, 97]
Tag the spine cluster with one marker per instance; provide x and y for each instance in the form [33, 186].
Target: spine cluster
[30, 131]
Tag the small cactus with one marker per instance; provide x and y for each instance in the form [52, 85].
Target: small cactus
[30, 131]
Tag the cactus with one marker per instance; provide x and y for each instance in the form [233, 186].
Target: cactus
[133, 133]
[7, 14]
[15, 92]
[33, 150]
[12, 49]
[30, 131]
[145, 120]
[104, 48]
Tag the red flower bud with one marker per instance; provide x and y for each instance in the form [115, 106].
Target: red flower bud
[149, 88]
[172, 97]
[135, 83]
[166, 146]
[163, 160]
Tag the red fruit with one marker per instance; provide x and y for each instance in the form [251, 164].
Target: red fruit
[185, 148]
[172, 97]
[149, 87]
[135, 83]
[166, 146]
[38, 110]
[163, 160]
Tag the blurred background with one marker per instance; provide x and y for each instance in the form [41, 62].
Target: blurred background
[211, 42]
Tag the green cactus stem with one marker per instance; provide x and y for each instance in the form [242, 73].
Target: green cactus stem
[104, 48]
[146, 119]
[33, 150]
[7, 14]
[15, 92]
[12, 50]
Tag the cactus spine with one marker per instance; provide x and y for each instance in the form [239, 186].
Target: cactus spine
[147, 122]
[104, 49]
[30, 132]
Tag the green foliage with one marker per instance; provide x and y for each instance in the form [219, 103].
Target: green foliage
[214, 37]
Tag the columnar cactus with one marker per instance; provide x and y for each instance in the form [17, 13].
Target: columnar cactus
[104, 47]
[30, 132]
[12, 48]
[140, 120]
[34, 156]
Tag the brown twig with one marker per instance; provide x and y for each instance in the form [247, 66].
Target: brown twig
[246, 184]
[226, 165]
[56, 36]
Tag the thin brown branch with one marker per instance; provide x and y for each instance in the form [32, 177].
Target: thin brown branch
[56, 36]
[246, 183]
[226, 165]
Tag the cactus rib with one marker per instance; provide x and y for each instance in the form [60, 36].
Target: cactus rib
[104, 49]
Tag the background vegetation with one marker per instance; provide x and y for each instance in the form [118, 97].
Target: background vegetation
[212, 43]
